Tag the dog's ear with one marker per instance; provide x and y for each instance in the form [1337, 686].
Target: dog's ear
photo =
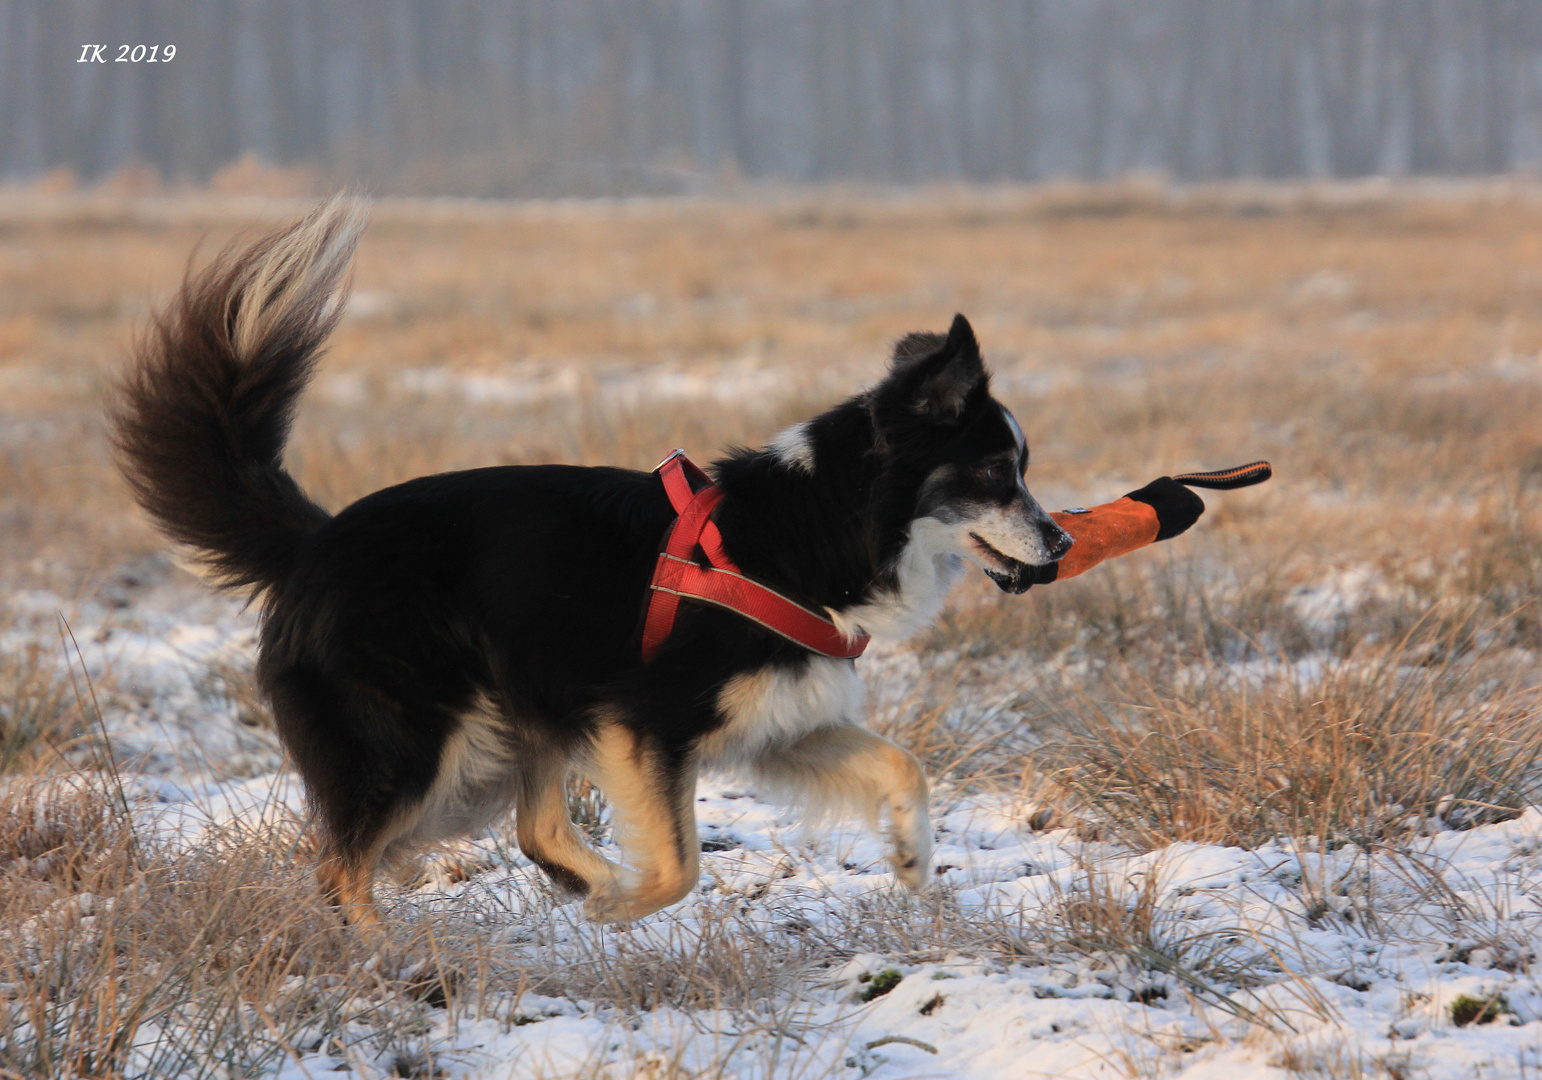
[915, 347]
[934, 375]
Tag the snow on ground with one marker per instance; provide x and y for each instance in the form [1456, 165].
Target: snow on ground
[1225, 963]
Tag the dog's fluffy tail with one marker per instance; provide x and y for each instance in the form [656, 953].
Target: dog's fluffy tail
[199, 423]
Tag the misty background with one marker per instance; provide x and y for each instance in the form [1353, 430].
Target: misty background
[525, 97]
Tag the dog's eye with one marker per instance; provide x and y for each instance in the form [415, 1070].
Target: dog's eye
[993, 474]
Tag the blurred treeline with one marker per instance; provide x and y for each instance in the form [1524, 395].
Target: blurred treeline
[587, 96]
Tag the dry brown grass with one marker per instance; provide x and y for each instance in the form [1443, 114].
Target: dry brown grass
[125, 955]
[1365, 750]
[1337, 1061]
[1096, 912]
[122, 954]
[1383, 349]
[38, 717]
[1382, 353]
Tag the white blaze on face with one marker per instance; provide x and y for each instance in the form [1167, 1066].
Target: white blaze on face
[1017, 432]
[1010, 529]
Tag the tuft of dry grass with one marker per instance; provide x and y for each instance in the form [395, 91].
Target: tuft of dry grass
[122, 955]
[1335, 1060]
[38, 717]
[57, 831]
[1366, 750]
[230, 682]
[1141, 939]
[724, 958]
[965, 741]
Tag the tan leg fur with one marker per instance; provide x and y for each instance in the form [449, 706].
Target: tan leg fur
[549, 839]
[655, 817]
[845, 767]
[350, 888]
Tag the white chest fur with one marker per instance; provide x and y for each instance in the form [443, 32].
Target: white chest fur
[928, 567]
[778, 705]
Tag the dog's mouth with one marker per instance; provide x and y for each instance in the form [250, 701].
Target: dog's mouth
[1011, 575]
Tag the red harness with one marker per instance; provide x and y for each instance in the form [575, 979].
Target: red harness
[678, 574]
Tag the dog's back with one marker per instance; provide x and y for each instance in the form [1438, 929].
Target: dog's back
[527, 580]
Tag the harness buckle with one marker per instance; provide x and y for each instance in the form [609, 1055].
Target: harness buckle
[668, 458]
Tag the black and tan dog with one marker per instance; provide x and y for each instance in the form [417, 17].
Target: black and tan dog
[448, 649]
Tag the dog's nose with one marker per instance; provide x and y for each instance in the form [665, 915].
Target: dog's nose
[1057, 540]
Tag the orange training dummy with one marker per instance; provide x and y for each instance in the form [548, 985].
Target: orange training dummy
[1159, 511]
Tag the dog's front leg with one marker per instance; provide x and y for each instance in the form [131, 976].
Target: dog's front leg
[845, 767]
[548, 838]
[653, 803]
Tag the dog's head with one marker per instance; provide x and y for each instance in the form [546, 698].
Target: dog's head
[937, 423]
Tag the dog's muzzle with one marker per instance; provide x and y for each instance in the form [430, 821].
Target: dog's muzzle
[1021, 576]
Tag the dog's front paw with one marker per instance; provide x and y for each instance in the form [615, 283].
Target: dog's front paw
[912, 870]
[609, 905]
[910, 851]
[630, 896]
[610, 900]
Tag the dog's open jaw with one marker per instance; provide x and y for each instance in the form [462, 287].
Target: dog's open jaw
[1006, 542]
[999, 567]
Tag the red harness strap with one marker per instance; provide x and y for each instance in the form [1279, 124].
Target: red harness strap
[678, 574]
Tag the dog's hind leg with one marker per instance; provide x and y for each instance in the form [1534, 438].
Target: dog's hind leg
[365, 788]
[547, 836]
[653, 799]
[349, 886]
[845, 767]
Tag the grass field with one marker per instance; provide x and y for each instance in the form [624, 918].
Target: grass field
[1342, 663]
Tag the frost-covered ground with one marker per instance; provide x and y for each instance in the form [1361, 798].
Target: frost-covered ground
[1038, 954]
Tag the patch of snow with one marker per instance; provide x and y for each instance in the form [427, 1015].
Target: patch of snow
[1323, 285]
[1338, 594]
